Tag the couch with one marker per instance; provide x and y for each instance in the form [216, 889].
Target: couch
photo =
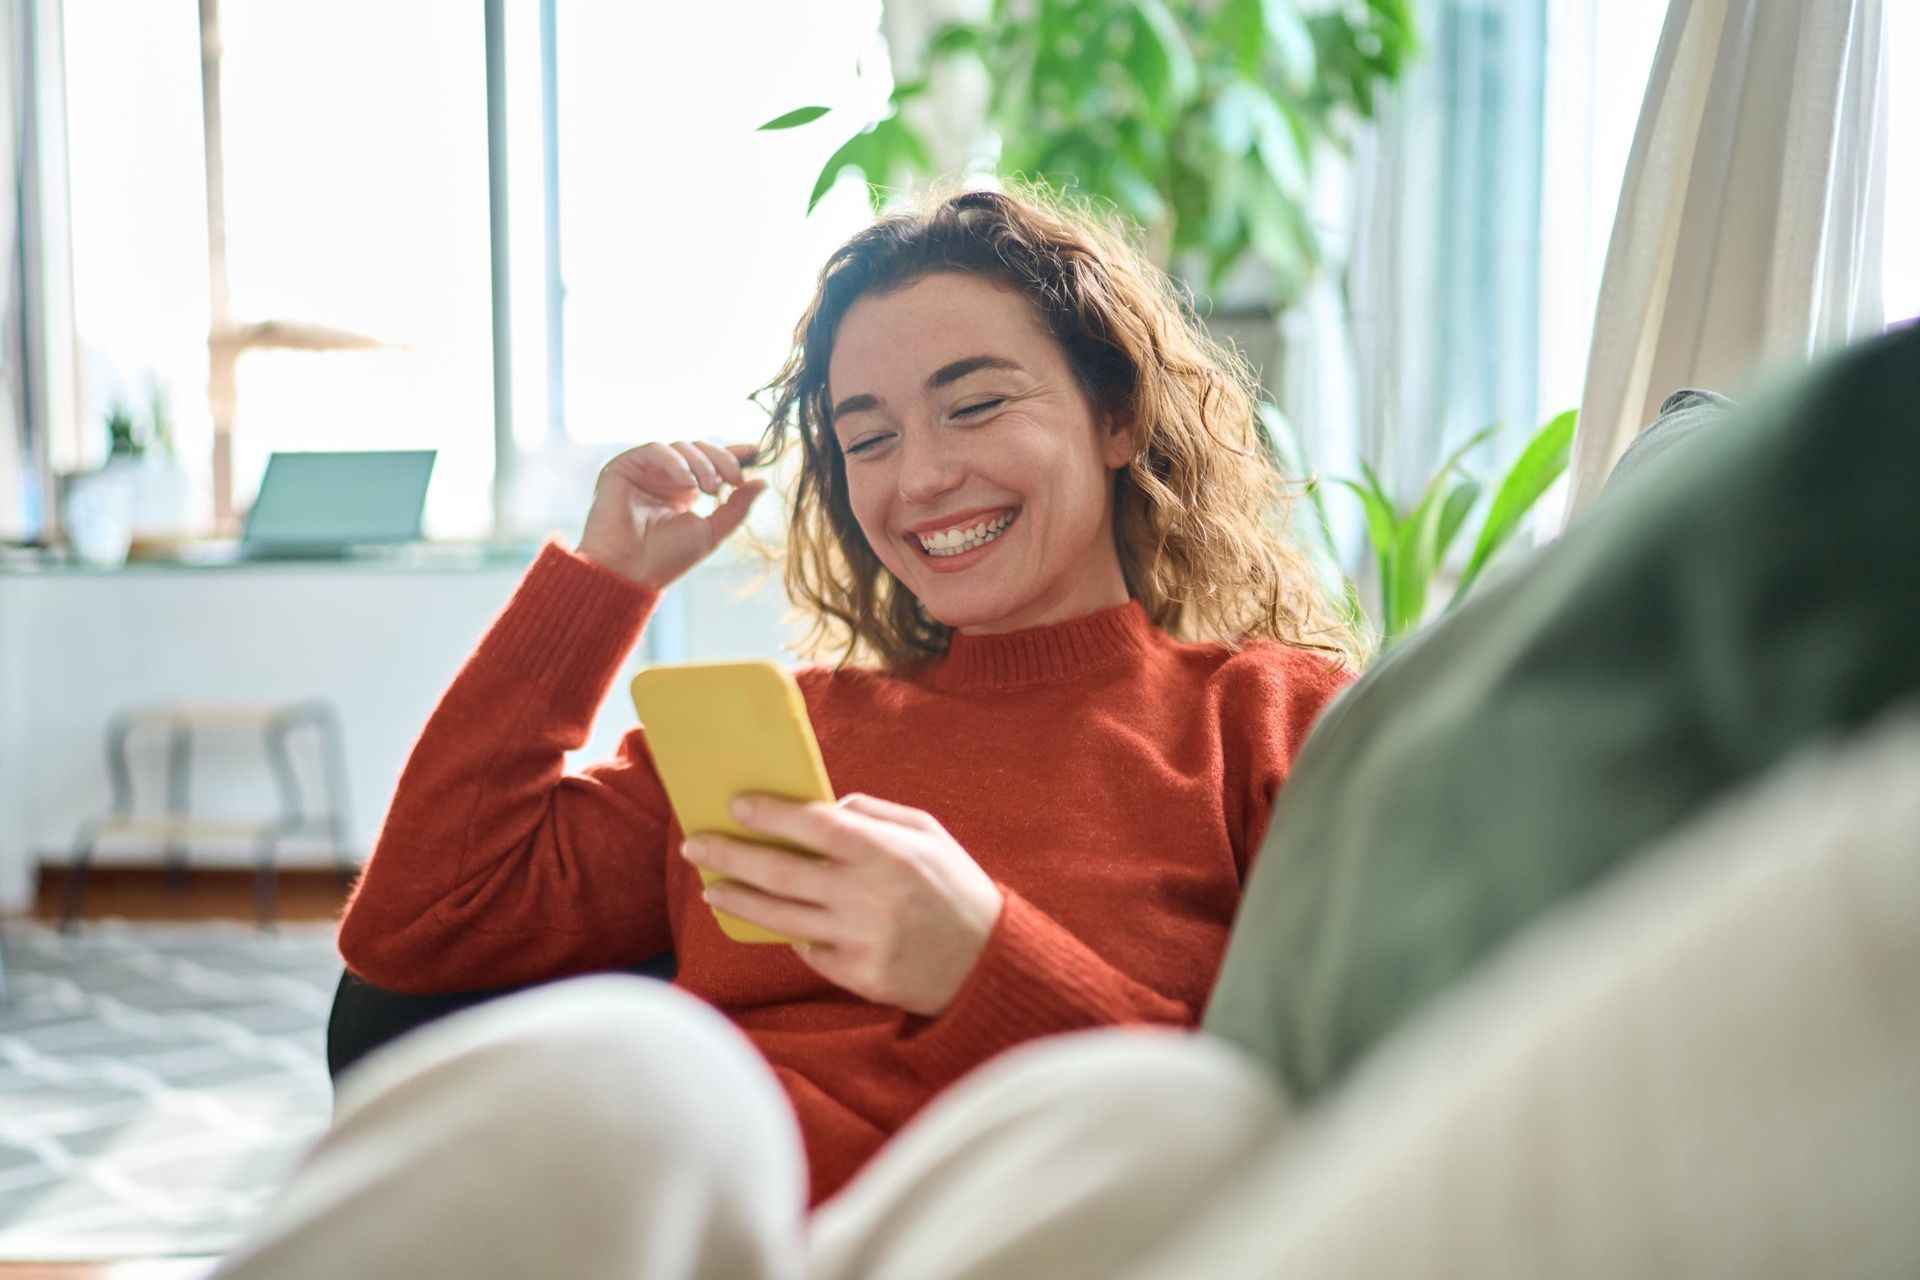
[1745, 594]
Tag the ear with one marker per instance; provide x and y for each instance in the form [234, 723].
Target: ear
[1121, 441]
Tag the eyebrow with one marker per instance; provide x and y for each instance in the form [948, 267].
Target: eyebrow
[945, 375]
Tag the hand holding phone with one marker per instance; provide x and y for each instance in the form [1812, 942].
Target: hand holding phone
[722, 729]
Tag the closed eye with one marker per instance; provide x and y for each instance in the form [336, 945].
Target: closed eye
[968, 411]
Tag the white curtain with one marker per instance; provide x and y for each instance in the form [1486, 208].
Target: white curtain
[39, 386]
[14, 516]
[1749, 227]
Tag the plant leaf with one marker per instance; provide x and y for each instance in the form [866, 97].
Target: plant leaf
[1416, 554]
[792, 119]
[955, 37]
[1383, 533]
[1243, 25]
[1383, 528]
[1539, 465]
[1231, 118]
[1471, 443]
[1183, 77]
[1379, 490]
[899, 146]
[1453, 514]
[855, 153]
[1288, 37]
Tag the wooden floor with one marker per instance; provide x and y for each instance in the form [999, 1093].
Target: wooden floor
[142, 893]
[162, 1269]
[146, 893]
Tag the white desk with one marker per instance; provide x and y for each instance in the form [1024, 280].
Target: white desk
[379, 641]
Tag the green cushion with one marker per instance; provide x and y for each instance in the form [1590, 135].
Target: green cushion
[1758, 588]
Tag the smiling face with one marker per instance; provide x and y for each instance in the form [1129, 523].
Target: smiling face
[976, 467]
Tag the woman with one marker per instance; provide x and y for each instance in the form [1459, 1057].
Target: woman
[1075, 661]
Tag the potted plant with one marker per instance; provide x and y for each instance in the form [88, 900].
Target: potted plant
[1203, 122]
[1408, 543]
[141, 452]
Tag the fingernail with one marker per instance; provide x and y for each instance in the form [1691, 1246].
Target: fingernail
[740, 808]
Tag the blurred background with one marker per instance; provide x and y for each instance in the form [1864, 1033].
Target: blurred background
[1449, 172]
[434, 262]
[513, 238]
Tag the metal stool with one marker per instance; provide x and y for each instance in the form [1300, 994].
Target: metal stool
[175, 831]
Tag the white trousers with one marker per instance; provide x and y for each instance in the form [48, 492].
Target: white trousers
[1711, 1067]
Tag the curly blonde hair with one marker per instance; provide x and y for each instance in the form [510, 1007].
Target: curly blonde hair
[1199, 512]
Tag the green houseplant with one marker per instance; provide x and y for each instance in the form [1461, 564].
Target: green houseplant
[1199, 119]
[124, 437]
[1409, 542]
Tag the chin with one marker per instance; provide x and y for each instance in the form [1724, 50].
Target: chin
[956, 610]
[961, 607]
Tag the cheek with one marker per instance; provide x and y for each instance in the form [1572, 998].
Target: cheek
[868, 514]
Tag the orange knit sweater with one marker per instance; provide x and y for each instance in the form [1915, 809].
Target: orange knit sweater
[1114, 783]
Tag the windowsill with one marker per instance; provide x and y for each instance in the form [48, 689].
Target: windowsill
[419, 557]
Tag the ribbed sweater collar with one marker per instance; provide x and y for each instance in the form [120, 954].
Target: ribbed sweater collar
[1042, 655]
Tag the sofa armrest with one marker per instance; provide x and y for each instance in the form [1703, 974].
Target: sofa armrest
[365, 1017]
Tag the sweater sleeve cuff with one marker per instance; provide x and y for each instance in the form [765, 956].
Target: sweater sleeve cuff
[570, 623]
[1033, 978]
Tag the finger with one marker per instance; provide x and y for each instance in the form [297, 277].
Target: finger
[777, 871]
[702, 468]
[654, 459]
[802, 920]
[827, 829]
[823, 958]
[723, 462]
[888, 811]
[727, 517]
[744, 453]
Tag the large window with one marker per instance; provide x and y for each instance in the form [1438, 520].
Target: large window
[660, 248]
[353, 161]
[138, 198]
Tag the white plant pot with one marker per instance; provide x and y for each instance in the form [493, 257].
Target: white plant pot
[98, 515]
[161, 502]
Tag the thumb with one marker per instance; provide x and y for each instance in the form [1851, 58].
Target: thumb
[888, 811]
[727, 516]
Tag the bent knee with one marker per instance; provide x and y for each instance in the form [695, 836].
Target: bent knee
[604, 1057]
[1121, 1072]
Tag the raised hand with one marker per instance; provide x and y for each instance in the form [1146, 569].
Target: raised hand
[642, 525]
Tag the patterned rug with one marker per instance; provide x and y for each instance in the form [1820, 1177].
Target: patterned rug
[157, 1082]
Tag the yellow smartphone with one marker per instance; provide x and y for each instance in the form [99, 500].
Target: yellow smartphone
[719, 729]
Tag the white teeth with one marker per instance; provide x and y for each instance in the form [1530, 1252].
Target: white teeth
[951, 542]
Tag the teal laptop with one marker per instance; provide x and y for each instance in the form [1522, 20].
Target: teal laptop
[320, 506]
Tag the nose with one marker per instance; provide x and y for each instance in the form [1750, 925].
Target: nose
[929, 468]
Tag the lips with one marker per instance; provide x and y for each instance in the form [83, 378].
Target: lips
[956, 561]
[958, 520]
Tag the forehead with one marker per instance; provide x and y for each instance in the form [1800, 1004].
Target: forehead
[892, 341]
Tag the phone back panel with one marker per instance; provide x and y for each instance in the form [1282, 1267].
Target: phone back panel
[719, 729]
